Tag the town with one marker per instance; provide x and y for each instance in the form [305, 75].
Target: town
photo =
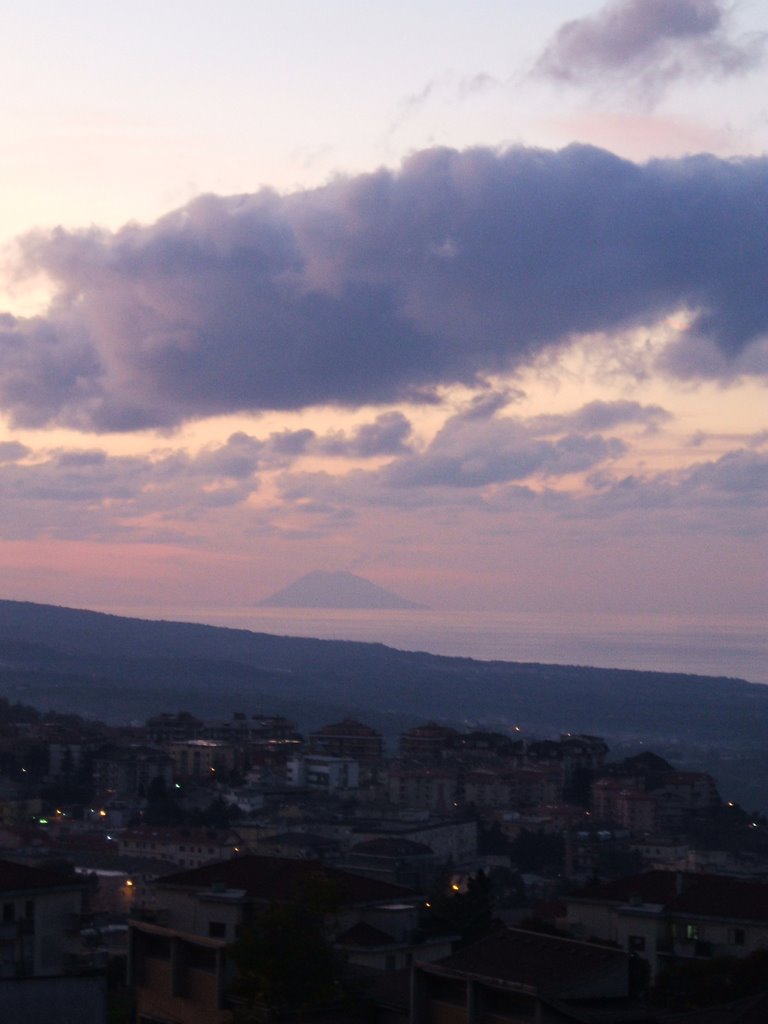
[191, 870]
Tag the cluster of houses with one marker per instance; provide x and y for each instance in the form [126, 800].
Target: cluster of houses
[183, 965]
[167, 900]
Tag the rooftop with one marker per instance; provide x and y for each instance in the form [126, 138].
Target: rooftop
[280, 879]
[23, 878]
[700, 895]
[543, 962]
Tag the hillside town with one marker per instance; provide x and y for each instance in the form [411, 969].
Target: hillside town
[214, 871]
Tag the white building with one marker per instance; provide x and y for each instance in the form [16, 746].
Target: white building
[323, 772]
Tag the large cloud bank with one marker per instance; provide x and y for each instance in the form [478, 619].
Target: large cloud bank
[383, 287]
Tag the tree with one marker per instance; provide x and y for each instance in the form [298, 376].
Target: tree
[470, 913]
[538, 851]
[285, 958]
[218, 814]
[162, 807]
[698, 983]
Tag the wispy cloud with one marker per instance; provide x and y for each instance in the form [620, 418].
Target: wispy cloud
[645, 45]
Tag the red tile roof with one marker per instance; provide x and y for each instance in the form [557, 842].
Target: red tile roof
[21, 877]
[548, 964]
[699, 895]
[280, 879]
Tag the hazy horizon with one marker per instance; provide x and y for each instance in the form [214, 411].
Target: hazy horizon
[692, 644]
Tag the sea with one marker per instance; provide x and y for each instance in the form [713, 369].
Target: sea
[702, 645]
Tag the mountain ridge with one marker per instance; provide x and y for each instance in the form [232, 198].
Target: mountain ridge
[99, 661]
[338, 589]
[122, 670]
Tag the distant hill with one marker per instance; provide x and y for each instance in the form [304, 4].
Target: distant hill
[335, 590]
[120, 669]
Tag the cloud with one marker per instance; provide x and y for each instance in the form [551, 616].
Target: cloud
[91, 493]
[12, 451]
[387, 435]
[386, 286]
[723, 497]
[555, 469]
[599, 415]
[727, 495]
[475, 452]
[87, 492]
[742, 475]
[647, 44]
[691, 356]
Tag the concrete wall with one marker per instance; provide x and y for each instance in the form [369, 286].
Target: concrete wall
[80, 999]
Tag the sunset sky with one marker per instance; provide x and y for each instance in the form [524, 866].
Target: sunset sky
[471, 300]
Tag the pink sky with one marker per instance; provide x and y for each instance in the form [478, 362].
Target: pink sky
[484, 321]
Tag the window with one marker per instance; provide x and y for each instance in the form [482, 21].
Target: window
[217, 930]
[200, 959]
[692, 932]
[736, 936]
[156, 947]
[9, 912]
[636, 943]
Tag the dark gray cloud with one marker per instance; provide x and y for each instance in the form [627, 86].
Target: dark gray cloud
[470, 451]
[692, 356]
[513, 459]
[600, 415]
[646, 44]
[739, 475]
[726, 496]
[12, 451]
[291, 443]
[387, 435]
[732, 487]
[93, 492]
[474, 449]
[386, 286]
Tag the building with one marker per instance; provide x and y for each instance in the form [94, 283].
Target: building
[185, 846]
[431, 787]
[394, 859]
[349, 738]
[427, 742]
[131, 771]
[667, 916]
[169, 728]
[452, 839]
[515, 976]
[40, 919]
[181, 970]
[323, 772]
[202, 759]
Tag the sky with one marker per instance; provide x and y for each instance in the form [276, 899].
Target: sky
[469, 300]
